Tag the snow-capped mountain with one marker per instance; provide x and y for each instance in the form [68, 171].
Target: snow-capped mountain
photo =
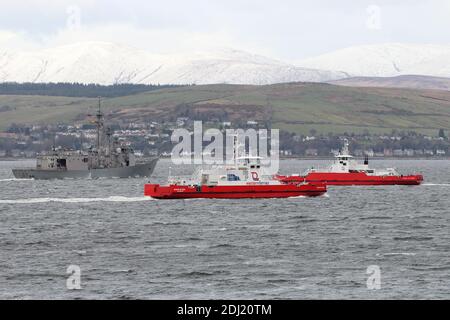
[386, 60]
[109, 63]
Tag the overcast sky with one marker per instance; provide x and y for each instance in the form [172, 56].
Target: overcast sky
[284, 29]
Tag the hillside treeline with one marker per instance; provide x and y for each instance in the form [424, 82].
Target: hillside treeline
[76, 89]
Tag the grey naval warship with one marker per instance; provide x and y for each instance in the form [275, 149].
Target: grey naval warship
[109, 159]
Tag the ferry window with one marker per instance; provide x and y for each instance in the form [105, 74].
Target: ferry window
[252, 167]
[257, 167]
[232, 177]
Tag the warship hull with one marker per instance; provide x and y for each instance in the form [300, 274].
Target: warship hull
[138, 170]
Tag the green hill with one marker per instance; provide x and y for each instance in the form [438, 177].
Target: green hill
[295, 107]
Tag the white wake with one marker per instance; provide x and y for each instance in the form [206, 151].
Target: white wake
[397, 254]
[75, 200]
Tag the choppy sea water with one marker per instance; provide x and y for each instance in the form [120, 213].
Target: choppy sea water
[132, 247]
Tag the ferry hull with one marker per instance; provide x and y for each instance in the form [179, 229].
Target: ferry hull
[234, 192]
[353, 179]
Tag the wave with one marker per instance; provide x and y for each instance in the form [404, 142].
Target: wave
[398, 254]
[375, 218]
[75, 200]
[194, 274]
[413, 238]
[296, 197]
[437, 184]
[14, 179]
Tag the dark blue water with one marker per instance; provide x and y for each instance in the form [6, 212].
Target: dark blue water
[128, 246]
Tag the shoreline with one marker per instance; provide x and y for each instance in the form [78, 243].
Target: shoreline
[370, 159]
[292, 158]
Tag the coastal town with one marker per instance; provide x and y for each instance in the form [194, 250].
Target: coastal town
[154, 138]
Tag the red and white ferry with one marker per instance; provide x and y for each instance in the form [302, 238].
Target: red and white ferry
[346, 171]
[245, 178]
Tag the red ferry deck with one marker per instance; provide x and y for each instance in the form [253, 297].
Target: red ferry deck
[234, 192]
[353, 178]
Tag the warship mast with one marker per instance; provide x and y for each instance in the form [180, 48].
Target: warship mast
[99, 124]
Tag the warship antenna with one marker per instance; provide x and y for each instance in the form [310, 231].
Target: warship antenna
[99, 123]
[54, 142]
[81, 140]
[108, 134]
